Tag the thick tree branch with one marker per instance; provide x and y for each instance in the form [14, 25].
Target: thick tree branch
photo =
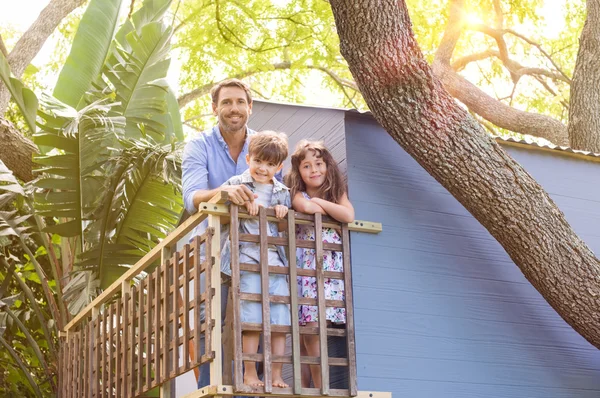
[34, 38]
[16, 151]
[584, 112]
[512, 65]
[475, 99]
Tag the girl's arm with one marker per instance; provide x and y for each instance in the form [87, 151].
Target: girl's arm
[343, 211]
[303, 205]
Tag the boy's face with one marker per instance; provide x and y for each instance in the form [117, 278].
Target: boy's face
[262, 171]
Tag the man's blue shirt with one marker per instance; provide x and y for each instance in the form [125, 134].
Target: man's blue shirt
[207, 164]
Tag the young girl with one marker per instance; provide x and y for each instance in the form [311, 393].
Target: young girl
[317, 186]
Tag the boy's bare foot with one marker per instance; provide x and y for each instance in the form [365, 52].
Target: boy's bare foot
[253, 381]
[278, 382]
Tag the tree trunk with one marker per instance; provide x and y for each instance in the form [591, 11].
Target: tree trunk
[584, 111]
[16, 151]
[32, 41]
[415, 109]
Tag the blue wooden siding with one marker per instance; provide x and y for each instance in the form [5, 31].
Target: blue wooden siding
[441, 310]
[303, 122]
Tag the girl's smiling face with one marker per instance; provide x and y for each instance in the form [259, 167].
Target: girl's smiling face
[313, 171]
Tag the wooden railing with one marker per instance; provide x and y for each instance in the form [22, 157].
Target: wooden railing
[145, 329]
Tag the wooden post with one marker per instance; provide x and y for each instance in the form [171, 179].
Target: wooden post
[266, 298]
[321, 305]
[216, 366]
[294, 302]
[167, 388]
[125, 369]
[351, 350]
[234, 290]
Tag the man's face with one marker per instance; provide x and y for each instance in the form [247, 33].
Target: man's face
[232, 109]
[262, 171]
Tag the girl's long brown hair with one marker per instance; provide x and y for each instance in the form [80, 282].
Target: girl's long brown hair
[334, 186]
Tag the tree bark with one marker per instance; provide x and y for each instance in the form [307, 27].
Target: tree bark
[16, 151]
[32, 41]
[412, 105]
[584, 111]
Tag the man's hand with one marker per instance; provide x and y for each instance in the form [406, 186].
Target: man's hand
[252, 207]
[239, 194]
[280, 211]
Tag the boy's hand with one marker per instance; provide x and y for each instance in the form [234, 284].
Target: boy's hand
[252, 207]
[280, 211]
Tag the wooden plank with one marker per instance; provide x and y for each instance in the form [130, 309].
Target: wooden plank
[77, 367]
[321, 305]
[148, 331]
[103, 348]
[228, 332]
[304, 244]
[176, 309]
[293, 270]
[328, 222]
[86, 359]
[185, 324]
[350, 341]
[98, 356]
[111, 351]
[266, 307]
[216, 376]
[238, 377]
[208, 264]
[274, 269]
[226, 391]
[132, 362]
[125, 345]
[287, 300]
[118, 346]
[157, 326]
[197, 293]
[313, 330]
[303, 359]
[142, 334]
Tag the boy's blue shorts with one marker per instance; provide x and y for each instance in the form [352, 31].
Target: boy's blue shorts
[251, 311]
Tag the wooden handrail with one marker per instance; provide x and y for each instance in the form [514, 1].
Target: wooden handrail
[145, 261]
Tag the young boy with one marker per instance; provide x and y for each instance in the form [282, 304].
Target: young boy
[266, 152]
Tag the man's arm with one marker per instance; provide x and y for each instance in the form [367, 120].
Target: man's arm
[238, 194]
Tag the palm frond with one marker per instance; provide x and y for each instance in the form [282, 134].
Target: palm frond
[72, 177]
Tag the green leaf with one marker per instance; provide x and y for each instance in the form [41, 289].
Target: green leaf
[24, 97]
[8, 182]
[138, 71]
[89, 51]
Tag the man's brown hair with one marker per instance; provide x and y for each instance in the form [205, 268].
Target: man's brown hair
[214, 92]
[268, 146]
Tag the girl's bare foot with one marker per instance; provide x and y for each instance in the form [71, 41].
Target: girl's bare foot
[278, 382]
[253, 381]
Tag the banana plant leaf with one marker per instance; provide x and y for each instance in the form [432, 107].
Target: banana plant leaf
[90, 49]
[24, 97]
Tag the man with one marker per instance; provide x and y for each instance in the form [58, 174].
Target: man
[215, 156]
[219, 153]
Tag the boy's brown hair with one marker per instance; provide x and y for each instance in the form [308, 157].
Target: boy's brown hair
[214, 92]
[268, 146]
[334, 186]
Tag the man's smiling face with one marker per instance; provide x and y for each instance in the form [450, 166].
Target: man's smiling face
[232, 109]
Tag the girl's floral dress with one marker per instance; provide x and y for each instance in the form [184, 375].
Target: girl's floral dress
[307, 285]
